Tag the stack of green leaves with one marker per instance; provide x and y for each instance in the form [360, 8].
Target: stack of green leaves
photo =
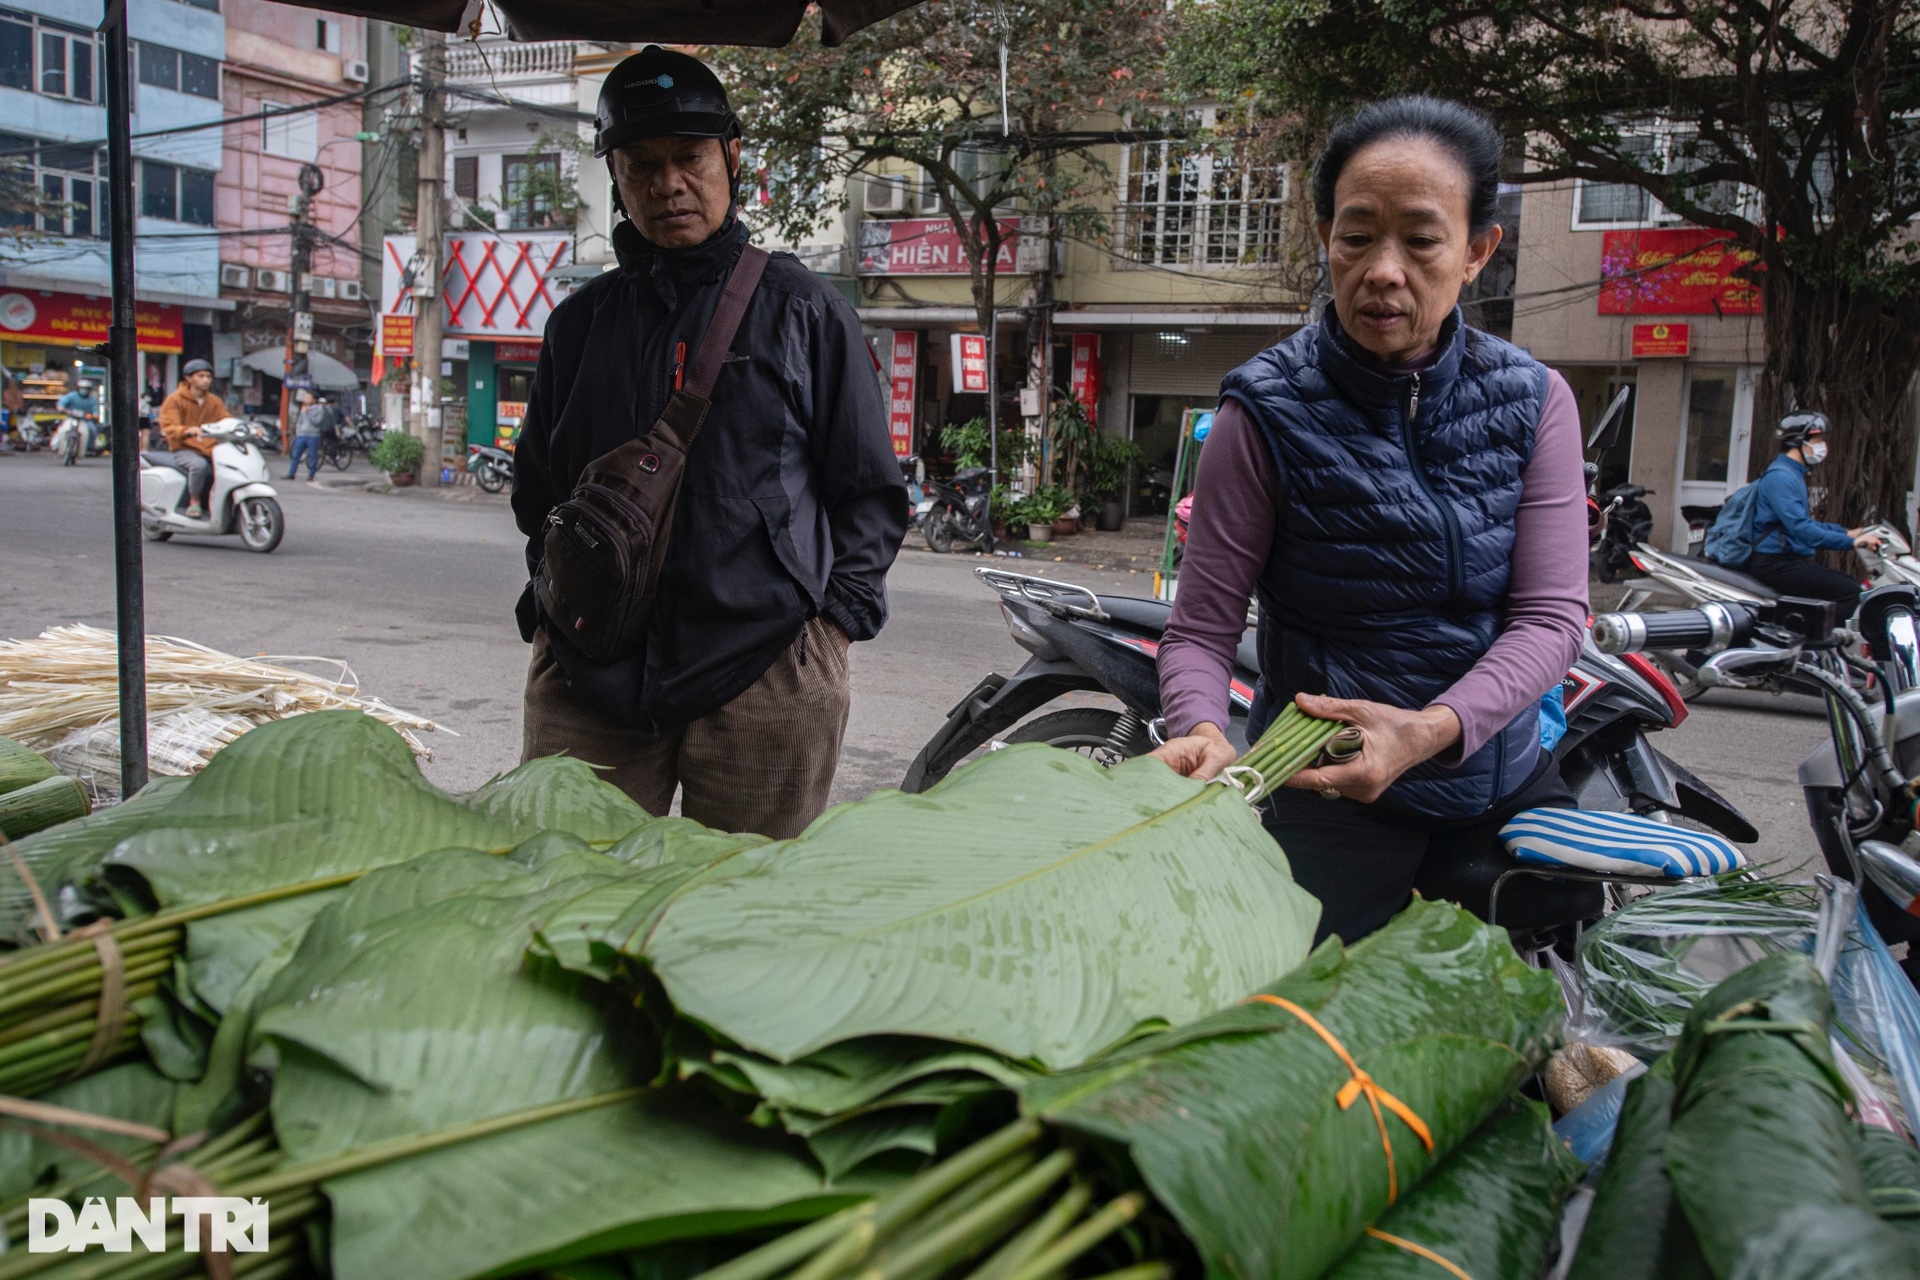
[866, 984]
[33, 794]
[1277, 1131]
[1735, 1156]
[212, 873]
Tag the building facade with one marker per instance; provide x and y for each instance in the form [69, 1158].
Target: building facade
[54, 280]
[280, 57]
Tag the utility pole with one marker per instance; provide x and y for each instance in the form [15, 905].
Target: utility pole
[300, 311]
[428, 210]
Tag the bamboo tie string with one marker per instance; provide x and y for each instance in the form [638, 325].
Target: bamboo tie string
[110, 1019]
[1419, 1251]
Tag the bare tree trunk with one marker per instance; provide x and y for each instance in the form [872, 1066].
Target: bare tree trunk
[1853, 358]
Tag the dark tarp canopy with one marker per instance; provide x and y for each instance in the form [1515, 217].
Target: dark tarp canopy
[755, 22]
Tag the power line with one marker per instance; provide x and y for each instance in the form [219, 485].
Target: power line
[221, 123]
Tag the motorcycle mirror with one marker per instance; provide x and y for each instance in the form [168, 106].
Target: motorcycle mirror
[1889, 620]
[1606, 432]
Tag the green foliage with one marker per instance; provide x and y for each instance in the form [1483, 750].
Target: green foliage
[1048, 503]
[398, 453]
[1798, 133]
[1110, 463]
[967, 442]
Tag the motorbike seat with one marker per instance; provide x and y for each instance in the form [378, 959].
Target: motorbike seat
[1618, 843]
[1732, 577]
[1141, 615]
[154, 458]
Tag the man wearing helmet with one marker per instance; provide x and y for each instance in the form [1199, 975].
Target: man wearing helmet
[1785, 534]
[189, 408]
[791, 507]
[83, 404]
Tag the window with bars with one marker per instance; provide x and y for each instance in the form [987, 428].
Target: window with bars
[70, 182]
[48, 57]
[1602, 206]
[1194, 206]
[529, 184]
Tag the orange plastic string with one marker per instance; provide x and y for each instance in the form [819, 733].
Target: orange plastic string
[1361, 1085]
[1419, 1251]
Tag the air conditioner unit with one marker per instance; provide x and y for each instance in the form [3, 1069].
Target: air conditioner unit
[234, 276]
[271, 281]
[353, 70]
[325, 287]
[350, 290]
[886, 195]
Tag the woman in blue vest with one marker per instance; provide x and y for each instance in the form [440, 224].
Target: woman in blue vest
[1403, 495]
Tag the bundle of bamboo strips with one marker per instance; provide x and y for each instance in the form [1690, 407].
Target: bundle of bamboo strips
[65, 681]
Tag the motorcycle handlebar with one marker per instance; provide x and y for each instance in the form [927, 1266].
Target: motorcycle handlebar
[1711, 626]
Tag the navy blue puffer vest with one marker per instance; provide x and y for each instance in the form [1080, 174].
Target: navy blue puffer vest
[1388, 575]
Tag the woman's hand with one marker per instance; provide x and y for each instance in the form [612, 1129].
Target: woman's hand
[1200, 755]
[1395, 741]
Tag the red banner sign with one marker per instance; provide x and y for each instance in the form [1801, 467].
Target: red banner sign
[396, 337]
[970, 364]
[925, 247]
[1677, 271]
[1084, 377]
[517, 352]
[903, 377]
[71, 320]
[1651, 340]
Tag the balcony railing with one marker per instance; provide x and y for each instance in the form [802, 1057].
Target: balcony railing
[504, 60]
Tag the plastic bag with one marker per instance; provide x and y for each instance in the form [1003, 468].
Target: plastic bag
[1878, 1012]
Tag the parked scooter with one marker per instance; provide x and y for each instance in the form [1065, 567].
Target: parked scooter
[242, 501]
[491, 467]
[959, 515]
[1081, 642]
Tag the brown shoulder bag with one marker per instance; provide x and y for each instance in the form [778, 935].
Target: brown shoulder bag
[606, 544]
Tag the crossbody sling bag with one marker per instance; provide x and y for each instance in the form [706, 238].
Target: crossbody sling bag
[606, 544]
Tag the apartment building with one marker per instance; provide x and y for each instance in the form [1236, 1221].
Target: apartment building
[278, 57]
[54, 287]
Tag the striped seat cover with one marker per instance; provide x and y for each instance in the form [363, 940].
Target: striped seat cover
[1622, 843]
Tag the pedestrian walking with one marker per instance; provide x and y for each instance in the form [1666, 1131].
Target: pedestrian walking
[307, 430]
[790, 509]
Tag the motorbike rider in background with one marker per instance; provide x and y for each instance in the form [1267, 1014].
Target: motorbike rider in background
[81, 403]
[1785, 534]
[189, 408]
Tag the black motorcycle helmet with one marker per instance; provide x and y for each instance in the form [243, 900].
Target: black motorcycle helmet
[1797, 428]
[658, 93]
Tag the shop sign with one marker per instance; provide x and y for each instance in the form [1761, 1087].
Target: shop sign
[491, 285]
[970, 364]
[509, 412]
[903, 376]
[67, 319]
[1650, 340]
[396, 337]
[517, 352]
[1676, 271]
[926, 247]
[1084, 377]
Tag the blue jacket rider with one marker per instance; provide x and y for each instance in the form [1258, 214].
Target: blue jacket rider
[1786, 535]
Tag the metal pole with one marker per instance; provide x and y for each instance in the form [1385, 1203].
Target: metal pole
[123, 403]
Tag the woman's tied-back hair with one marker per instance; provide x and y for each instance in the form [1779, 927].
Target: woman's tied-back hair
[1467, 135]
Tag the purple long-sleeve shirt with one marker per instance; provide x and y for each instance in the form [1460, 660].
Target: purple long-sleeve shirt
[1236, 496]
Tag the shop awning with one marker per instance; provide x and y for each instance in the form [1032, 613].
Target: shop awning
[755, 22]
[328, 374]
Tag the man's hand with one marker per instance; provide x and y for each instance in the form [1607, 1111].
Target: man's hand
[1200, 755]
[1861, 538]
[1395, 740]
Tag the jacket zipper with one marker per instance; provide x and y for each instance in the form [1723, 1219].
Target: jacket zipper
[1456, 553]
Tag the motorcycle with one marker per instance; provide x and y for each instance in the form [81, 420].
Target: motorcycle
[1081, 642]
[241, 502]
[491, 467]
[919, 499]
[1628, 523]
[32, 432]
[359, 432]
[73, 438]
[959, 515]
[1858, 787]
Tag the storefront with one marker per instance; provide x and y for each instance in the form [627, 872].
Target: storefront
[498, 382]
[43, 335]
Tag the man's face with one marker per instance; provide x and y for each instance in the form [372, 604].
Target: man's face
[676, 190]
[200, 380]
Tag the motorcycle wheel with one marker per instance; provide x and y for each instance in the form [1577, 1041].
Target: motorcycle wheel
[70, 452]
[261, 526]
[492, 479]
[154, 533]
[938, 531]
[1083, 730]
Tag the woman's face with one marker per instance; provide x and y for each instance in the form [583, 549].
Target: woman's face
[1399, 247]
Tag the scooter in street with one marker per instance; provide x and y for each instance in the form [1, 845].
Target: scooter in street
[73, 439]
[959, 515]
[491, 467]
[242, 502]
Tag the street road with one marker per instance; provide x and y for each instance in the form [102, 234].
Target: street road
[415, 591]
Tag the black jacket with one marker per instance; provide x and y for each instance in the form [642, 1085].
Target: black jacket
[792, 505]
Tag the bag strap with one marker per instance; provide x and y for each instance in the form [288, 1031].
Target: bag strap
[727, 314]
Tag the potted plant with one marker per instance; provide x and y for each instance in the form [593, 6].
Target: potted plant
[1109, 461]
[1041, 509]
[399, 455]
